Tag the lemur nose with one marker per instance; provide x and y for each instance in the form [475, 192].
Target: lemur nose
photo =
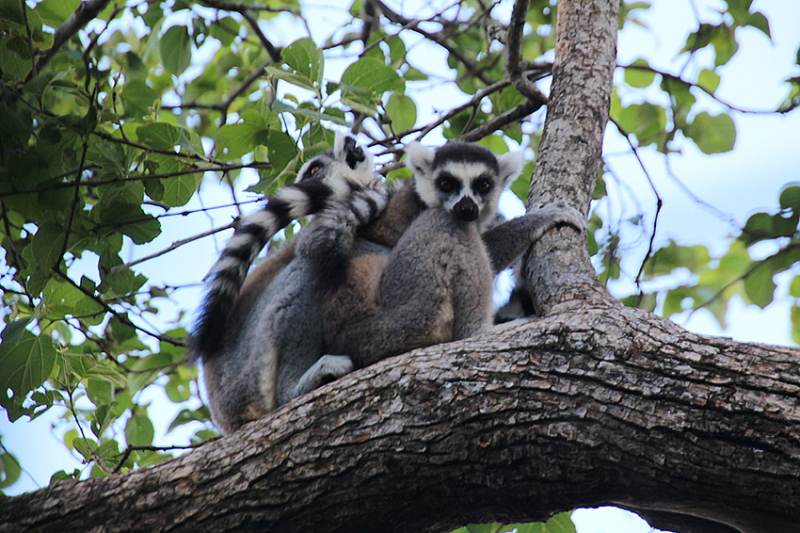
[465, 209]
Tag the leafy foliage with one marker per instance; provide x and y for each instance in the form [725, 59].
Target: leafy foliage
[108, 134]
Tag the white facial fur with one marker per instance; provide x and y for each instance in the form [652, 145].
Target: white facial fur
[363, 174]
[420, 160]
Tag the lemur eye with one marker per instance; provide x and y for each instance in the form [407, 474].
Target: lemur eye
[315, 167]
[483, 186]
[447, 183]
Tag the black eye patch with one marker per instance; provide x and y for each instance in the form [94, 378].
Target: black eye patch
[312, 170]
[448, 183]
[483, 185]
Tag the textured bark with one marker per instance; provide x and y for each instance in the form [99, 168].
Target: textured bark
[569, 155]
[586, 407]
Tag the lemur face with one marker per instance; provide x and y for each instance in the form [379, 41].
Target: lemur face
[465, 179]
[465, 189]
[348, 163]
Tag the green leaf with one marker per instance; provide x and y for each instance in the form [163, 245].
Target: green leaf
[14, 330]
[159, 135]
[10, 469]
[712, 134]
[139, 429]
[138, 97]
[708, 80]
[760, 22]
[373, 75]
[795, 314]
[305, 58]
[178, 389]
[759, 286]
[12, 12]
[644, 120]
[62, 299]
[175, 190]
[290, 76]
[226, 30]
[63, 475]
[55, 12]
[639, 75]
[790, 198]
[176, 49]
[235, 140]
[763, 226]
[24, 366]
[402, 111]
[47, 245]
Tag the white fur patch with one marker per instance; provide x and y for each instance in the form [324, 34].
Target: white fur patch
[299, 204]
[263, 219]
[240, 241]
[225, 263]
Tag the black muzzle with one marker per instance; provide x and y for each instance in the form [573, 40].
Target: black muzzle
[466, 210]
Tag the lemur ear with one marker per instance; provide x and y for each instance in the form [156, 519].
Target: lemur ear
[340, 144]
[510, 165]
[419, 159]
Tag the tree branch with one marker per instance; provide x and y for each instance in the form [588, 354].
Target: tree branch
[570, 152]
[585, 407]
[514, 60]
[85, 13]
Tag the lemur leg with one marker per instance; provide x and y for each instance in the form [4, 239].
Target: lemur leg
[503, 250]
[328, 368]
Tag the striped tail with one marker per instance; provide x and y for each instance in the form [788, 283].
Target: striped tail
[330, 239]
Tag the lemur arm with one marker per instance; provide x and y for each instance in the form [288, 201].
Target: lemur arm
[508, 240]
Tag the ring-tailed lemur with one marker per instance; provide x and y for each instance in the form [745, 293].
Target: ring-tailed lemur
[435, 284]
[324, 180]
[277, 354]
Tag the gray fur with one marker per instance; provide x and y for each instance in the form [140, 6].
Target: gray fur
[262, 362]
[344, 301]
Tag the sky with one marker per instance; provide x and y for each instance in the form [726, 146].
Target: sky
[749, 179]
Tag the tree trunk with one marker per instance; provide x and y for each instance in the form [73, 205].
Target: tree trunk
[592, 404]
[586, 407]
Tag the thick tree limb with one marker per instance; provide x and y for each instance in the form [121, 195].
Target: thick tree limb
[585, 407]
[569, 154]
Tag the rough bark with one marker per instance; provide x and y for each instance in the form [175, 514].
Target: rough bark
[569, 154]
[586, 407]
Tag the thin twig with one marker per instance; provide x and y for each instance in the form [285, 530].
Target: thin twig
[500, 121]
[514, 63]
[659, 205]
[122, 318]
[130, 449]
[175, 245]
[692, 84]
[143, 177]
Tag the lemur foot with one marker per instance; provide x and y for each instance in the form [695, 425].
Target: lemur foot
[327, 368]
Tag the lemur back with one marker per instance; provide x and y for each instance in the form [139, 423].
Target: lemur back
[326, 179]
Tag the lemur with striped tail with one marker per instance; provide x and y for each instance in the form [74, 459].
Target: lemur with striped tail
[324, 300]
[323, 181]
